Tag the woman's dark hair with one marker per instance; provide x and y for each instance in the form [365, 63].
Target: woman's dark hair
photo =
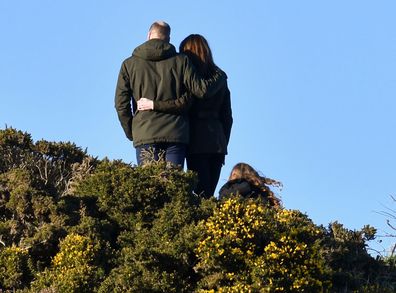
[197, 48]
[247, 172]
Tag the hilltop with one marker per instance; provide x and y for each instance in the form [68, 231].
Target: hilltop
[73, 223]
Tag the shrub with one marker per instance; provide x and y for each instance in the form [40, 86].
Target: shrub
[53, 165]
[72, 223]
[157, 246]
[353, 268]
[13, 267]
[248, 246]
[73, 268]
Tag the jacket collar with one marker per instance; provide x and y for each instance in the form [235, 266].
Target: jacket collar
[155, 50]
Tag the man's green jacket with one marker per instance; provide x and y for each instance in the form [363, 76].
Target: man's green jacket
[155, 71]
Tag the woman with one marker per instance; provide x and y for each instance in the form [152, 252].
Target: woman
[246, 181]
[210, 119]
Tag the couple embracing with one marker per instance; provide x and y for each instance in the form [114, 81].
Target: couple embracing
[176, 105]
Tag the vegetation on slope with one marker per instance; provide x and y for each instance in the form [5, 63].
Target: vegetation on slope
[72, 223]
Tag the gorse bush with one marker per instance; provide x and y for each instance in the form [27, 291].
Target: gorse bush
[72, 268]
[249, 247]
[13, 267]
[34, 182]
[73, 223]
[155, 213]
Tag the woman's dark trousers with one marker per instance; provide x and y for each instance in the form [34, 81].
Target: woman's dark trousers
[208, 167]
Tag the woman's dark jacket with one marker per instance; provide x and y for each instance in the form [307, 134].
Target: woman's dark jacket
[241, 187]
[156, 71]
[210, 119]
[210, 123]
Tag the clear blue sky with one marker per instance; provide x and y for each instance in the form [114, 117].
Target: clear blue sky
[313, 87]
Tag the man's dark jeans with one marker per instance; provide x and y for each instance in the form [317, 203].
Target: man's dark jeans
[174, 153]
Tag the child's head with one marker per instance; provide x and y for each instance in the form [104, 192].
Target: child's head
[247, 172]
[243, 170]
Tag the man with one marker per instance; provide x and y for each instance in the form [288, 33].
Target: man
[156, 70]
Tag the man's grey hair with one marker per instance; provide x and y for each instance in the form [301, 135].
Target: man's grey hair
[161, 29]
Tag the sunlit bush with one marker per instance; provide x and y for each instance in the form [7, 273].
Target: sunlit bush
[72, 223]
[156, 213]
[13, 267]
[73, 268]
[249, 246]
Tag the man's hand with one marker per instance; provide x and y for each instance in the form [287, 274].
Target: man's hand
[145, 104]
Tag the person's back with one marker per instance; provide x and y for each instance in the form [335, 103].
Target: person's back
[245, 181]
[210, 124]
[210, 121]
[156, 70]
[210, 128]
[242, 187]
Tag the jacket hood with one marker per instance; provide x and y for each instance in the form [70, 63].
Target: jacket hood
[154, 50]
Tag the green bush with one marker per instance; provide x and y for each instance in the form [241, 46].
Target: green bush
[353, 268]
[250, 247]
[13, 267]
[73, 223]
[157, 221]
[73, 268]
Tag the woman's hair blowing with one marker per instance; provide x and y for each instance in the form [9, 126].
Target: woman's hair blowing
[247, 172]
